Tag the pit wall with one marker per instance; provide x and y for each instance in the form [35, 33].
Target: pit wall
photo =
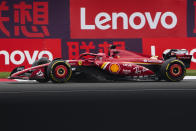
[65, 28]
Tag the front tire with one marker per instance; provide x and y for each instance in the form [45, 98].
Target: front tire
[173, 70]
[59, 71]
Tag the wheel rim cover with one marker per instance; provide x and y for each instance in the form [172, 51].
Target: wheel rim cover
[176, 70]
[61, 71]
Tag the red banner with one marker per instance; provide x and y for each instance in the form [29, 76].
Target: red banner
[23, 52]
[128, 19]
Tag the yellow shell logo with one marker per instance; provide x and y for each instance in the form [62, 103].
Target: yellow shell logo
[114, 68]
[79, 63]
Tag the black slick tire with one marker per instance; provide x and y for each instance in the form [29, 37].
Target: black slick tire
[173, 70]
[59, 71]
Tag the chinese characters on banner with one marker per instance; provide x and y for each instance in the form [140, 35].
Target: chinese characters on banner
[75, 47]
[28, 20]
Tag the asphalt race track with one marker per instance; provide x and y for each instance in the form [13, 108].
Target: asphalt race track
[101, 106]
[99, 87]
[99, 90]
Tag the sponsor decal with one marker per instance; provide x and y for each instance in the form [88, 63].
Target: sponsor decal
[73, 69]
[34, 19]
[71, 63]
[40, 73]
[125, 71]
[145, 18]
[128, 19]
[23, 52]
[145, 60]
[20, 68]
[184, 57]
[114, 68]
[27, 19]
[18, 57]
[152, 61]
[73, 48]
[127, 65]
[105, 64]
[139, 70]
[154, 57]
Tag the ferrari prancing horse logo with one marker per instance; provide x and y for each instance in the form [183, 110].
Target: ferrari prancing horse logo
[79, 63]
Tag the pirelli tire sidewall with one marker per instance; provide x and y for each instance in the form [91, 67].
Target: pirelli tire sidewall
[52, 68]
[167, 70]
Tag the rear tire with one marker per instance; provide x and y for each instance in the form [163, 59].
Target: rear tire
[41, 61]
[173, 70]
[59, 71]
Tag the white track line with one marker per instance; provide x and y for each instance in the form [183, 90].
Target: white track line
[190, 77]
[23, 80]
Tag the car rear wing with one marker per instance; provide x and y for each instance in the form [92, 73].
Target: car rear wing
[179, 54]
[186, 59]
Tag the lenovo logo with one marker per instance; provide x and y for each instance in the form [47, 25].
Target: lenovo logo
[105, 21]
[18, 57]
[128, 19]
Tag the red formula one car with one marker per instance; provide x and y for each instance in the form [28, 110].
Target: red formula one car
[116, 65]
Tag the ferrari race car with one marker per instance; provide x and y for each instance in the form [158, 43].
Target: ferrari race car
[115, 65]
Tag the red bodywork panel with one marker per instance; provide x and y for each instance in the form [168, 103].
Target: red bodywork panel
[122, 63]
